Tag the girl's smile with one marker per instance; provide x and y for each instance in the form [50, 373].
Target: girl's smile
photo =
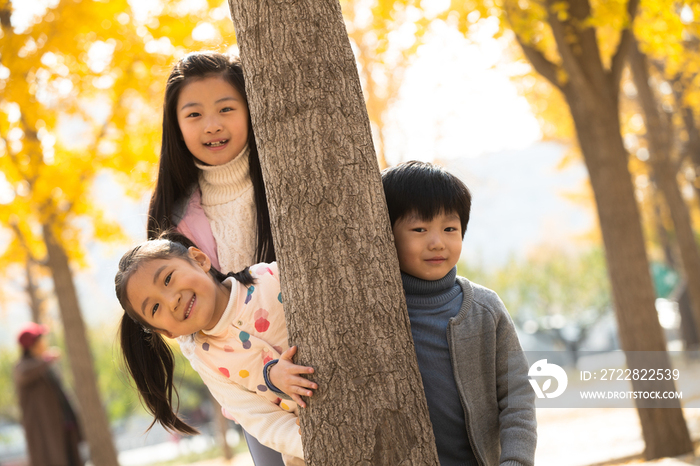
[213, 119]
[177, 296]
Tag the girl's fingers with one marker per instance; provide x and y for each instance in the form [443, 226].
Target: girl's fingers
[297, 399]
[289, 354]
[301, 369]
[303, 383]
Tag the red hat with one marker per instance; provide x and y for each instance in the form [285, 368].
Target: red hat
[29, 333]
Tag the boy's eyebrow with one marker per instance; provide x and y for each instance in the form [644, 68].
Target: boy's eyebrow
[194, 104]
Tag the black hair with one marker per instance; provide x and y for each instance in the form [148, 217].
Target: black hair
[426, 190]
[177, 172]
[147, 356]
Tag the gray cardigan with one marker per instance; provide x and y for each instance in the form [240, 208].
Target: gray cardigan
[482, 338]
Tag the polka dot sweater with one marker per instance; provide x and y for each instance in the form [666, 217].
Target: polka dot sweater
[230, 359]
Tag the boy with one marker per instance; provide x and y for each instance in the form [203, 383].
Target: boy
[462, 332]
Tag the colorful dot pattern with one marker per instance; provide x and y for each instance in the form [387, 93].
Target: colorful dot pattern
[256, 334]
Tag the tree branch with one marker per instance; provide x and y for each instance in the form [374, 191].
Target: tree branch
[543, 66]
[623, 48]
[20, 237]
[569, 61]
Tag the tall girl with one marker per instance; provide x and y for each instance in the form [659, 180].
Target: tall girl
[210, 185]
[229, 327]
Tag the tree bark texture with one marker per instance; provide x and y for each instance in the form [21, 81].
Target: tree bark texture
[92, 414]
[659, 137]
[592, 92]
[341, 284]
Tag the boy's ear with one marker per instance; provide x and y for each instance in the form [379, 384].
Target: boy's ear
[200, 258]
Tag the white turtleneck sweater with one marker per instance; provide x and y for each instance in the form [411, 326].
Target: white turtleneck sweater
[229, 204]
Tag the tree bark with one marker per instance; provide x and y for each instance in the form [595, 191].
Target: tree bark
[680, 293]
[340, 278]
[659, 138]
[35, 302]
[692, 147]
[664, 430]
[689, 334]
[92, 414]
[592, 92]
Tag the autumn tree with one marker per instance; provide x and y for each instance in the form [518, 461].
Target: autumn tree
[582, 48]
[340, 280]
[81, 85]
[659, 135]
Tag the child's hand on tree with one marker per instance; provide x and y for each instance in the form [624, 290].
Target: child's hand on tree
[286, 376]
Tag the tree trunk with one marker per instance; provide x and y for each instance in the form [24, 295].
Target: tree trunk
[92, 414]
[340, 278]
[664, 430]
[35, 302]
[693, 146]
[220, 426]
[659, 139]
[689, 333]
[591, 91]
[680, 293]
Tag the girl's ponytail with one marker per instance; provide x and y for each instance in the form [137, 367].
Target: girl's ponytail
[150, 363]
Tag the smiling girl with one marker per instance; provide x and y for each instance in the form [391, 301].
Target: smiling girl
[229, 327]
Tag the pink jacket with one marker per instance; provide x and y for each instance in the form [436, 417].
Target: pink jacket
[195, 225]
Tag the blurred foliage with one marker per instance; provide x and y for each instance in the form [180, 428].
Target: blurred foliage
[549, 282]
[9, 409]
[81, 86]
[668, 31]
[118, 391]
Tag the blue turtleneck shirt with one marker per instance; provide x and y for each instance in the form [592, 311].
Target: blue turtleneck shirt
[431, 305]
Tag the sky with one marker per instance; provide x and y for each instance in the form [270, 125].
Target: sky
[457, 101]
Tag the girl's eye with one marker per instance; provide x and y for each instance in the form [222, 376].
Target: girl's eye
[192, 115]
[155, 308]
[419, 229]
[450, 229]
[167, 279]
[226, 109]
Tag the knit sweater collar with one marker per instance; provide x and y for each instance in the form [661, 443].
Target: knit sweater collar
[420, 291]
[224, 183]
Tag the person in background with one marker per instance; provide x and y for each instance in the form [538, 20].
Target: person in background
[50, 424]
